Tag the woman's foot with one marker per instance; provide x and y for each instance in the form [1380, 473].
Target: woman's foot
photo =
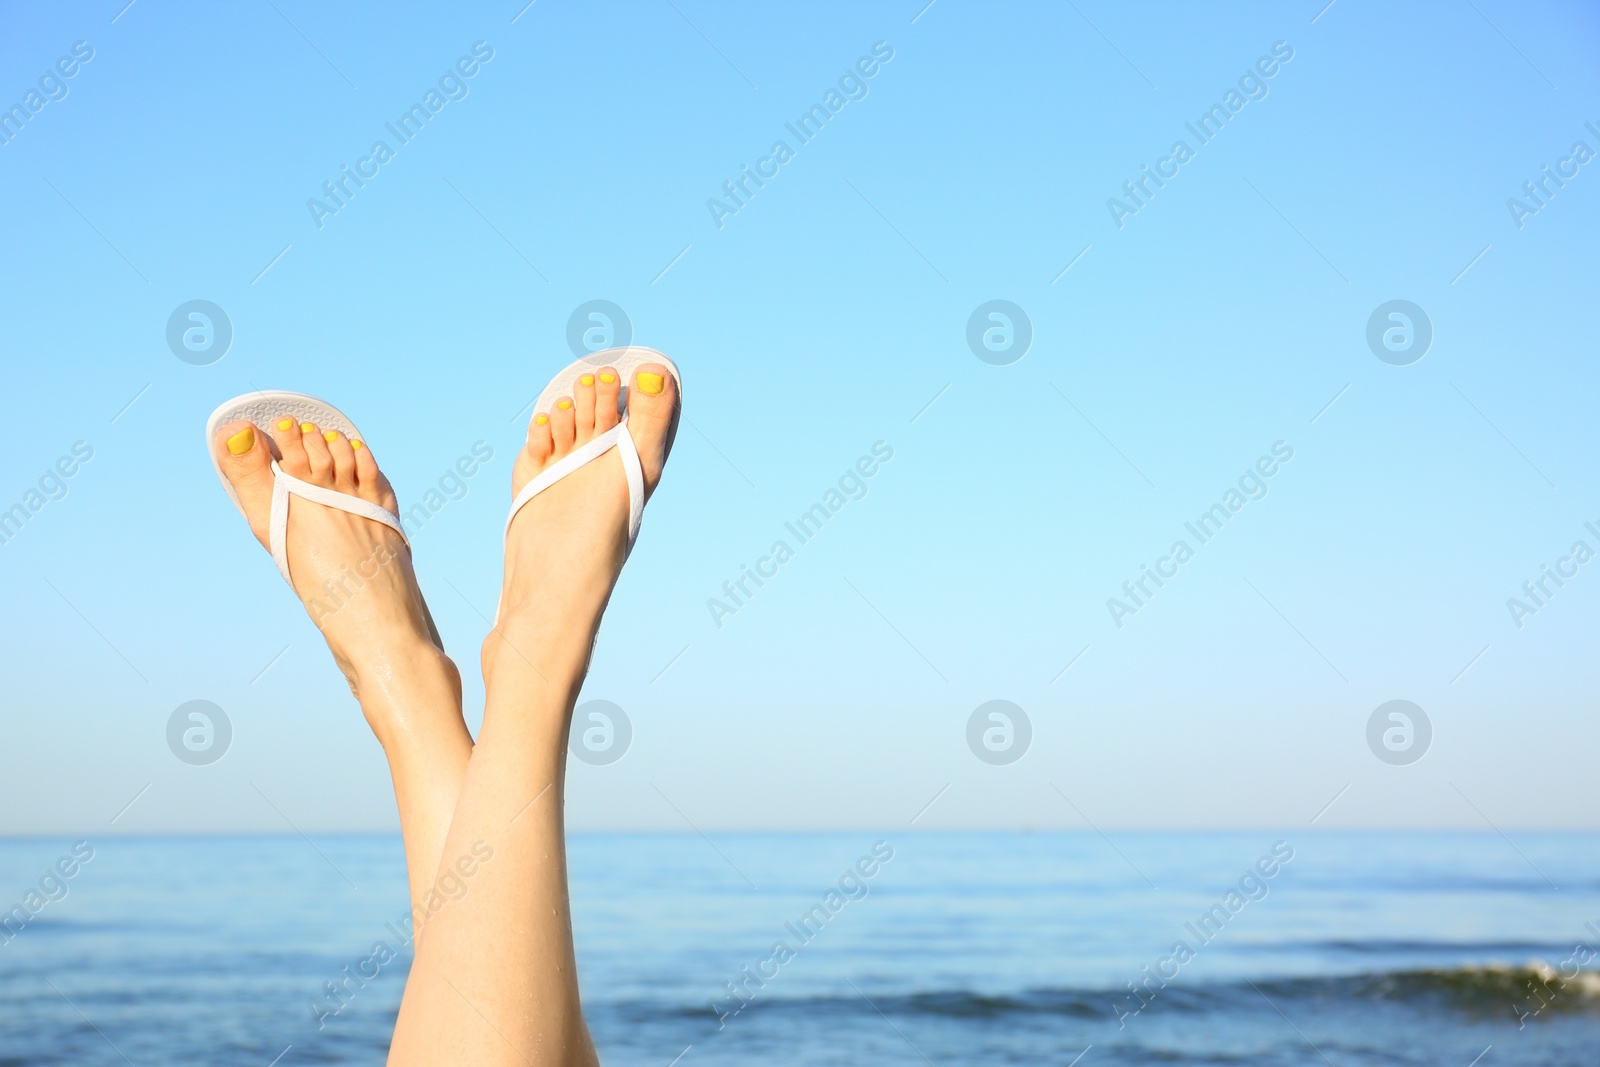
[352, 574]
[495, 982]
[566, 546]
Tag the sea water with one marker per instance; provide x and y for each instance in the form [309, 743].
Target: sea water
[843, 948]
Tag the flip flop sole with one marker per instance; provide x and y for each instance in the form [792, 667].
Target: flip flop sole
[262, 409]
[626, 360]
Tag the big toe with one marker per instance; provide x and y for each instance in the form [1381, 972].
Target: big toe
[246, 460]
[652, 403]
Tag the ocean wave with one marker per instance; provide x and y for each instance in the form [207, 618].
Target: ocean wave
[1537, 985]
[1399, 946]
[1487, 990]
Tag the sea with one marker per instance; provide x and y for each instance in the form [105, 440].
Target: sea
[1239, 947]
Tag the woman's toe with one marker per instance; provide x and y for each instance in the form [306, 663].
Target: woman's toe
[651, 400]
[608, 384]
[563, 425]
[319, 459]
[246, 461]
[291, 452]
[368, 476]
[540, 446]
[344, 461]
[583, 403]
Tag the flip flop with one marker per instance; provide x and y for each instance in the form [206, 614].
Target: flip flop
[261, 409]
[625, 360]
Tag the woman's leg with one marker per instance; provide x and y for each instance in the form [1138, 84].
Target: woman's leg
[355, 578]
[495, 981]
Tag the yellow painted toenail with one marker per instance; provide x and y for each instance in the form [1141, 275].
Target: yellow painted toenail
[587, 379]
[608, 378]
[650, 383]
[563, 404]
[540, 420]
[286, 424]
[243, 441]
[306, 427]
[356, 443]
[331, 436]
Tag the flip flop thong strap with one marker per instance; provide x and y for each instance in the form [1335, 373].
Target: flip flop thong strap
[617, 437]
[286, 485]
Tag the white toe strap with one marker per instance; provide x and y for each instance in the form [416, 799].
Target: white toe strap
[286, 485]
[617, 437]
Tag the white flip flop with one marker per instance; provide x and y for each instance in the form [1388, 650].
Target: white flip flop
[626, 361]
[261, 409]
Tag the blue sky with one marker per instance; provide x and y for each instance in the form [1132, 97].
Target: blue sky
[1170, 353]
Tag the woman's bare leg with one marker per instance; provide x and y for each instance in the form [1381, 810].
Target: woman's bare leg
[355, 578]
[495, 981]
[413, 704]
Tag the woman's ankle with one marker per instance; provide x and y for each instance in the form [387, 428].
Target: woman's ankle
[410, 692]
[548, 662]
